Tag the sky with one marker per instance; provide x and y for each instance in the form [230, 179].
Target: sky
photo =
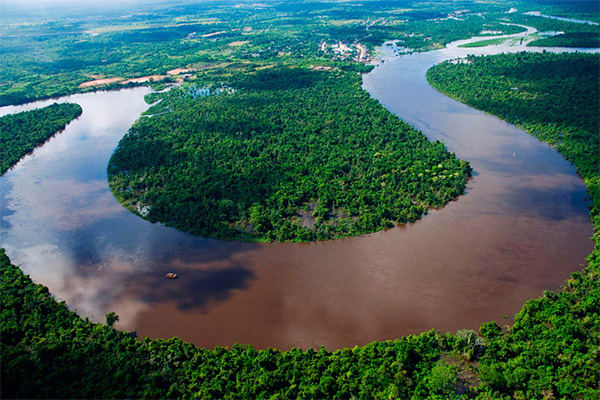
[41, 7]
[30, 3]
[35, 4]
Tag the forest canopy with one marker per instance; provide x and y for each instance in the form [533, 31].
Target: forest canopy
[284, 153]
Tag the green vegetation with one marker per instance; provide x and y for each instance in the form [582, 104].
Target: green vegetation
[52, 55]
[284, 153]
[577, 39]
[552, 349]
[574, 34]
[20, 133]
[483, 43]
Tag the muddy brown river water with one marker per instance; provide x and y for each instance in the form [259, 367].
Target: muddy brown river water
[521, 227]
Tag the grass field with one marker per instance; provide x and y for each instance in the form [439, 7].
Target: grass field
[482, 43]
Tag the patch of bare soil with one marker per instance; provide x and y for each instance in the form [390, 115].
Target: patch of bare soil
[99, 82]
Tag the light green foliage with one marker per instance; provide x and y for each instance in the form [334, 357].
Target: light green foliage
[483, 43]
[442, 380]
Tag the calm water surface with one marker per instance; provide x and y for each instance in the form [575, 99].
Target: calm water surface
[522, 227]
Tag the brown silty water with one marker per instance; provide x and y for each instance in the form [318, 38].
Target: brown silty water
[522, 227]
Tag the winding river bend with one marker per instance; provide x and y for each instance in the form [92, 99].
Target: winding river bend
[522, 227]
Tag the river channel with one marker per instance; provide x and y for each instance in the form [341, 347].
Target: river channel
[521, 227]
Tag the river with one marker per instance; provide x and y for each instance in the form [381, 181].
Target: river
[522, 227]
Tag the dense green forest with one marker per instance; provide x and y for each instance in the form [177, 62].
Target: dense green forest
[20, 133]
[576, 39]
[285, 153]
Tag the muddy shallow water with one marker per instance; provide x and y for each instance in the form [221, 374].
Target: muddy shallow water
[521, 227]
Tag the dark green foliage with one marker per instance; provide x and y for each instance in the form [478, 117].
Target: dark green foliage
[576, 39]
[48, 351]
[554, 345]
[111, 318]
[20, 133]
[553, 348]
[289, 143]
[567, 8]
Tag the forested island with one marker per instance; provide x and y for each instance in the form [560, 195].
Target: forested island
[286, 153]
[20, 133]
